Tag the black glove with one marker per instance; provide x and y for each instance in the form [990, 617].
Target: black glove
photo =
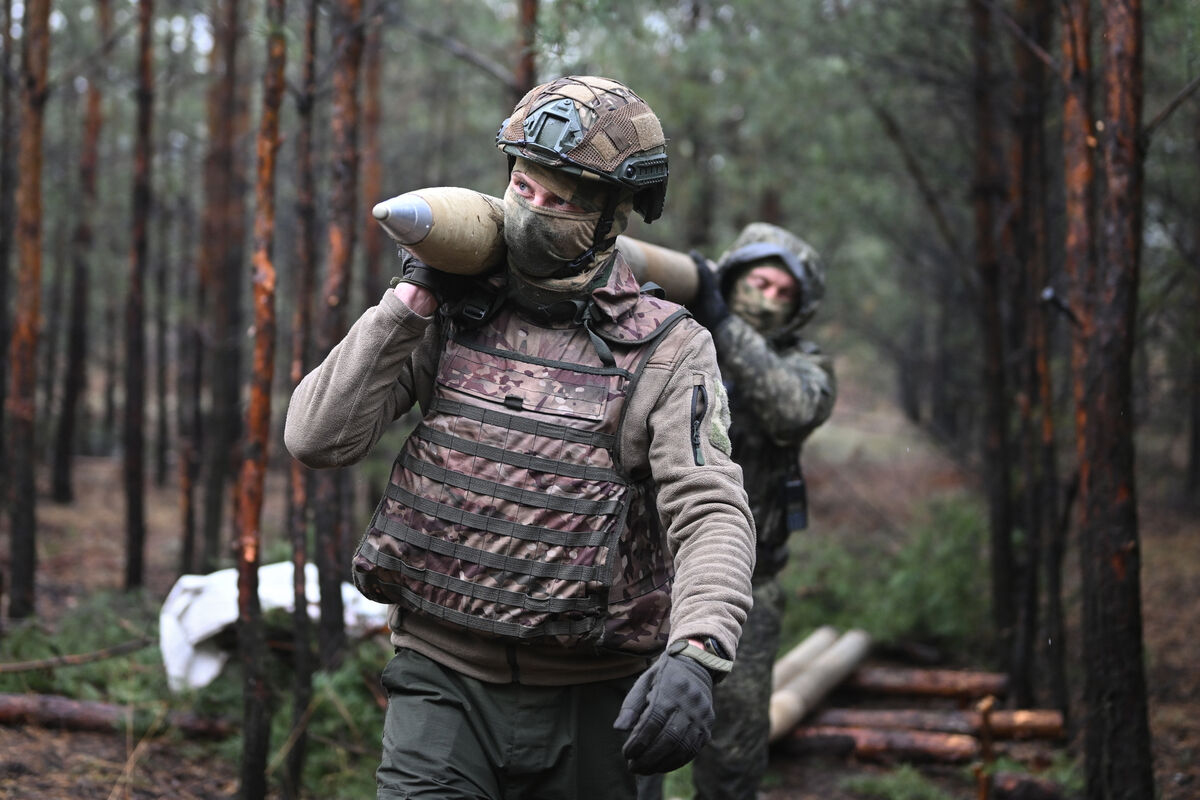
[709, 306]
[444, 286]
[668, 715]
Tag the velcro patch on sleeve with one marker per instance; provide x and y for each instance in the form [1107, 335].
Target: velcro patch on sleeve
[718, 429]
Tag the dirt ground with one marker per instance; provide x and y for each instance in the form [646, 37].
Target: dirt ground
[865, 467]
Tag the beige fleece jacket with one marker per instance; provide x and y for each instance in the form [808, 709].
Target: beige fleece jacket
[387, 362]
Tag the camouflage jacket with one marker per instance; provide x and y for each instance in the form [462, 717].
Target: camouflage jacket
[389, 361]
[780, 391]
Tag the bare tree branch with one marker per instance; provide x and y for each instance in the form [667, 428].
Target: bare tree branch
[75, 659]
[1017, 31]
[460, 50]
[1175, 103]
[892, 130]
[87, 62]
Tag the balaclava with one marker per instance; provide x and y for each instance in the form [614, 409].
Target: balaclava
[767, 315]
[761, 242]
[542, 242]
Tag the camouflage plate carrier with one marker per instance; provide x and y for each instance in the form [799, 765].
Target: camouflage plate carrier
[509, 511]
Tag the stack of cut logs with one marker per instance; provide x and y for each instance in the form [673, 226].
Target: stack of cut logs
[826, 660]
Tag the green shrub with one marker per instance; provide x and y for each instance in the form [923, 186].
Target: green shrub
[345, 723]
[933, 588]
[343, 729]
[905, 783]
[99, 621]
[1064, 769]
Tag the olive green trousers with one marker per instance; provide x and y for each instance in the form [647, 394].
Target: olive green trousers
[451, 737]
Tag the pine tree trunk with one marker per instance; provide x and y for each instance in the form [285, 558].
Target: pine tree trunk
[163, 266]
[21, 404]
[525, 75]
[75, 378]
[1079, 261]
[1191, 484]
[190, 358]
[108, 425]
[700, 212]
[372, 163]
[222, 274]
[988, 188]
[305, 259]
[135, 311]
[1026, 238]
[373, 192]
[1191, 479]
[188, 420]
[7, 185]
[1117, 733]
[343, 222]
[910, 372]
[251, 637]
[52, 311]
[943, 399]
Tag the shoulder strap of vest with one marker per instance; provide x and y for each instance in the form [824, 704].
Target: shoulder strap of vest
[479, 302]
[650, 287]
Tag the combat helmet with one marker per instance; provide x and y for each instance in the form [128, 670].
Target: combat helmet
[760, 241]
[595, 127]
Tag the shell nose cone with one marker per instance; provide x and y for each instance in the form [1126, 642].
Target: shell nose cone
[407, 218]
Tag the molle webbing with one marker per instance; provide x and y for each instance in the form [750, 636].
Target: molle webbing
[523, 424]
[402, 594]
[447, 477]
[522, 460]
[496, 525]
[520, 566]
[507, 512]
[585, 369]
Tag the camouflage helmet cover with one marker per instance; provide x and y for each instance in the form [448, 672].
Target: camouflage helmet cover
[760, 241]
[592, 126]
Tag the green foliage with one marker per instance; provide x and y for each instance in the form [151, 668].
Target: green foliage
[1064, 769]
[936, 587]
[904, 783]
[932, 588]
[679, 783]
[100, 621]
[343, 728]
[344, 720]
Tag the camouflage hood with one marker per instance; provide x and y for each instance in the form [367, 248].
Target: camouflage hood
[759, 242]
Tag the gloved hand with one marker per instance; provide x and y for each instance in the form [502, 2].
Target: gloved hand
[444, 286]
[708, 307]
[668, 715]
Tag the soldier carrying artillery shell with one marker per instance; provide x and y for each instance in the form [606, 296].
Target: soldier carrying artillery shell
[565, 543]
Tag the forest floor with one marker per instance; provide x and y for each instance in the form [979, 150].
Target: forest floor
[866, 465]
[869, 464]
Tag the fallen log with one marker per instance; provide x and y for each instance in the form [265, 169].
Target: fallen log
[874, 744]
[930, 682]
[796, 660]
[54, 711]
[1019, 724]
[802, 694]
